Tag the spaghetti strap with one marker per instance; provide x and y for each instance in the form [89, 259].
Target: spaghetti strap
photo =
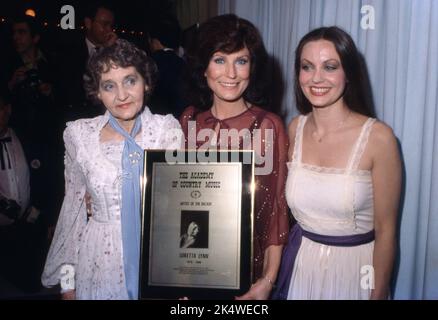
[298, 147]
[360, 145]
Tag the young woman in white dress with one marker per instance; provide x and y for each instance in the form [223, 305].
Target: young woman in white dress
[104, 160]
[344, 179]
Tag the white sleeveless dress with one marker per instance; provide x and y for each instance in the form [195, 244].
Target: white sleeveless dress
[332, 202]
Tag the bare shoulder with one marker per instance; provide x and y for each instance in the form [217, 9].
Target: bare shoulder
[292, 127]
[382, 142]
[292, 131]
[382, 135]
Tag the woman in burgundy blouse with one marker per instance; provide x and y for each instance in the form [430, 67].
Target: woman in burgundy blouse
[229, 91]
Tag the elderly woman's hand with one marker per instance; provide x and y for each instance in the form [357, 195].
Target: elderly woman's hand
[69, 295]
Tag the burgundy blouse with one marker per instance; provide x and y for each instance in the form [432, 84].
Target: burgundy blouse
[271, 217]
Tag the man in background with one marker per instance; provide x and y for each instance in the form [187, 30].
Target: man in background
[99, 23]
[164, 42]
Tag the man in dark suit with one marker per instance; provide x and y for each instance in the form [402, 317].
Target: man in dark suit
[99, 22]
[164, 41]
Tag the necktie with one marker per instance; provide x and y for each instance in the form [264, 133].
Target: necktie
[3, 142]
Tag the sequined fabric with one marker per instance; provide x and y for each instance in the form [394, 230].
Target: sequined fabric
[271, 218]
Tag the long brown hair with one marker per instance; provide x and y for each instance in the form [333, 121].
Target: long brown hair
[357, 94]
[227, 33]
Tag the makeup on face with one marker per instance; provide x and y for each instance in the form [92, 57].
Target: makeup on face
[322, 76]
[228, 74]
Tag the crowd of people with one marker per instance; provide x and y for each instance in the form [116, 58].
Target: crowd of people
[41, 90]
[327, 186]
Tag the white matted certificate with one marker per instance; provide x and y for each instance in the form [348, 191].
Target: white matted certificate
[197, 228]
[196, 208]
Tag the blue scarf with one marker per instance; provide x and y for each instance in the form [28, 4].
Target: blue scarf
[132, 168]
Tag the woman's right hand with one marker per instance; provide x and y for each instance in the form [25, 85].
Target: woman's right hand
[69, 295]
[259, 290]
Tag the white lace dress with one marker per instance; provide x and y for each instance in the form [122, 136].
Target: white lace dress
[333, 202]
[94, 248]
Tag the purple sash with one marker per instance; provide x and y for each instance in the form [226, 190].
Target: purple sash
[291, 250]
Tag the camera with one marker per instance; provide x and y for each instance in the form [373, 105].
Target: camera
[29, 87]
[32, 78]
[10, 208]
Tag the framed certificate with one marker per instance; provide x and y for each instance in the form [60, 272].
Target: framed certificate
[197, 224]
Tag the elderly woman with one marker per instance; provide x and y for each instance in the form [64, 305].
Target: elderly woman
[228, 95]
[104, 160]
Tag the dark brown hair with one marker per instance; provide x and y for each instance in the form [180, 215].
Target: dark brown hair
[122, 54]
[227, 33]
[357, 95]
[31, 22]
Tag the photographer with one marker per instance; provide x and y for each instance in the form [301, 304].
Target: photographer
[30, 67]
[34, 117]
[35, 120]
